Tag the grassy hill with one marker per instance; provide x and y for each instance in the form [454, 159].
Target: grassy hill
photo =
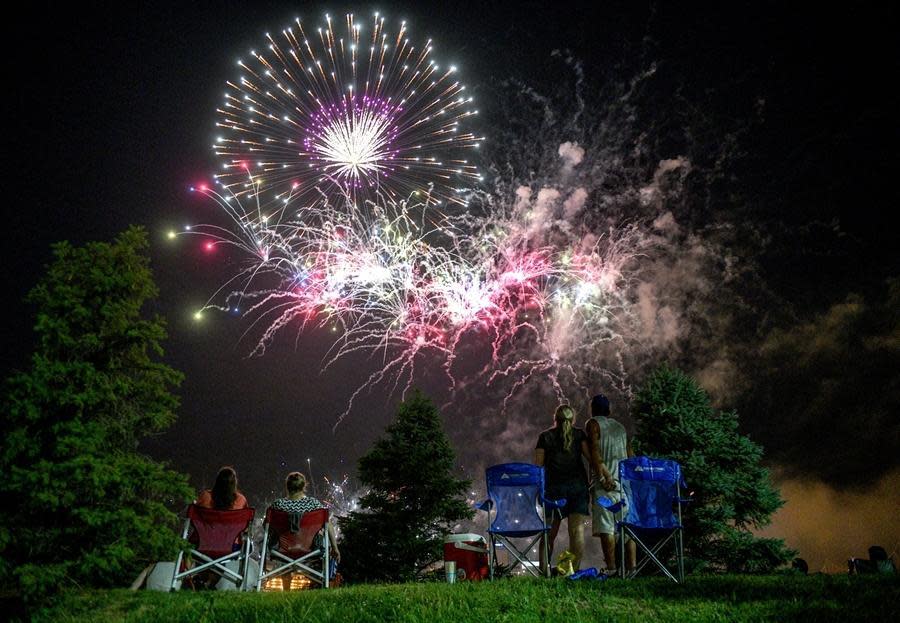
[703, 598]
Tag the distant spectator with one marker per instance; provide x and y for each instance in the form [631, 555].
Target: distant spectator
[224, 495]
[878, 562]
[879, 557]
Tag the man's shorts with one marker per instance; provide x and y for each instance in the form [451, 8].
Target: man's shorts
[603, 521]
[576, 495]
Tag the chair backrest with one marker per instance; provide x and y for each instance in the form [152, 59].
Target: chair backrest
[651, 488]
[216, 531]
[516, 490]
[296, 532]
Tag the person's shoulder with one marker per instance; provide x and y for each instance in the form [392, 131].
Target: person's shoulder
[579, 433]
[545, 437]
[240, 501]
[204, 499]
[287, 505]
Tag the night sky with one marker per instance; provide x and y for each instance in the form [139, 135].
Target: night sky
[110, 118]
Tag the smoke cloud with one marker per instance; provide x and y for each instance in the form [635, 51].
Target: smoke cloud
[828, 526]
[689, 290]
[571, 154]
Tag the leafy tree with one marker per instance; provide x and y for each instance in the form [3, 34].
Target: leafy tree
[413, 499]
[731, 490]
[81, 505]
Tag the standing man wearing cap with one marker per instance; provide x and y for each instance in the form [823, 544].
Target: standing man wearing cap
[608, 444]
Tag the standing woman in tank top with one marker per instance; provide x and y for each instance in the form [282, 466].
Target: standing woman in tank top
[561, 450]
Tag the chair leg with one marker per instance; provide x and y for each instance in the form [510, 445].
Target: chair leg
[244, 566]
[262, 558]
[546, 547]
[621, 548]
[326, 562]
[492, 559]
[178, 561]
[649, 555]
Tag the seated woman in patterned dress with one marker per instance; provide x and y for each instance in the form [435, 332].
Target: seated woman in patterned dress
[297, 501]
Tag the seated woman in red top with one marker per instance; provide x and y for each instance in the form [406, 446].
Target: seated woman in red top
[224, 495]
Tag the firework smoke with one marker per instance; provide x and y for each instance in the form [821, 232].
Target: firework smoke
[567, 272]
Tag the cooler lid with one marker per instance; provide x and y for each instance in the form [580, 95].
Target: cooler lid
[460, 538]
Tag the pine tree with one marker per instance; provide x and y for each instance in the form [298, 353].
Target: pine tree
[731, 489]
[81, 506]
[413, 499]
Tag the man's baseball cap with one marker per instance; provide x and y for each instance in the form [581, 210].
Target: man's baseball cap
[600, 404]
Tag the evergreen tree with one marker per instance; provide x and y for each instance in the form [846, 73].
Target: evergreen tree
[413, 499]
[731, 489]
[80, 505]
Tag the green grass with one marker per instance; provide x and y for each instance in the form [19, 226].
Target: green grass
[702, 598]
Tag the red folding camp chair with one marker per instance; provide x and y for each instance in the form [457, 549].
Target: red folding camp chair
[290, 545]
[216, 537]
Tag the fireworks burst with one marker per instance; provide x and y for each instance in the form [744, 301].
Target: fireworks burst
[363, 111]
[387, 279]
[342, 496]
[335, 156]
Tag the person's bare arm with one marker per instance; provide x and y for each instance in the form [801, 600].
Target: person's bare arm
[539, 457]
[332, 540]
[597, 466]
[630, 451]
[592, 431]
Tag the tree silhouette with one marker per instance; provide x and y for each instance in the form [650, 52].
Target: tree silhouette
[731, 489]
[81, 505]
[413, 499]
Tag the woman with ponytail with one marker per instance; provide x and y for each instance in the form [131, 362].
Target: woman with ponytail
[561, 450]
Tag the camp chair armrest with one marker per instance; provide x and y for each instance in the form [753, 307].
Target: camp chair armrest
[553, 503]
[608, 504]
[484, 505]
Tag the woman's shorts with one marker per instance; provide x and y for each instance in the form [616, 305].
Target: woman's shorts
[603, 521]
[576, 495]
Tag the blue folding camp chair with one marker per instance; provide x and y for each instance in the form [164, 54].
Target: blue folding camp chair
[516, 499]
[649, 512]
